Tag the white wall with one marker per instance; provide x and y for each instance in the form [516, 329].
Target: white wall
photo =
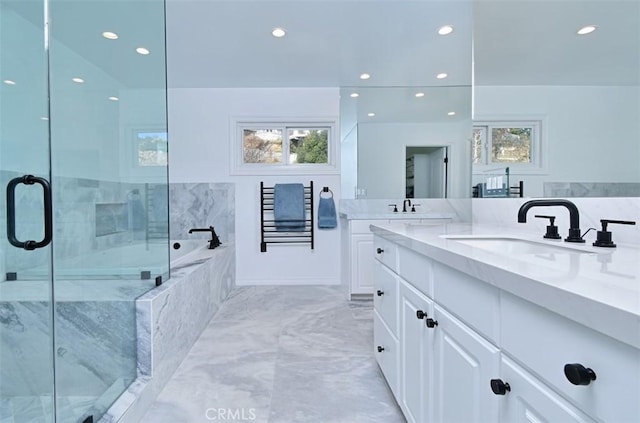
[592, 133]
[200, 133]
[381, 155]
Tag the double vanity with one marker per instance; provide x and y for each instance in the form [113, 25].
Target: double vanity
[475, 323]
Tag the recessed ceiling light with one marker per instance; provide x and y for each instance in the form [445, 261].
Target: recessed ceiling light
[9, 82]
[441, 75]
[365, 76]
[451, 113]
[110, 35]
[587, 29]
[112, 98]
[278, 32]
[371, 114]
[419, 95]
[354, 95]
[44, 118]
[142, 50]
[78, 80]
[445, 30]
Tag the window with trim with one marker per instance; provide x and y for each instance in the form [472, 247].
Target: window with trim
[513, 144]
[274, 147]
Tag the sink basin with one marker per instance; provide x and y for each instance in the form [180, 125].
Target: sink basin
[515, 245]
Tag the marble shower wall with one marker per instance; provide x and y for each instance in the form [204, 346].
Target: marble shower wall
[83, 210]
[200, 205]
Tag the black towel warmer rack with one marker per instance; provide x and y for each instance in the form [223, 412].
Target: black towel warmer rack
[269, 234]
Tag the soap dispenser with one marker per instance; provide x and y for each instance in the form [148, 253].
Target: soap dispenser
[603, 238]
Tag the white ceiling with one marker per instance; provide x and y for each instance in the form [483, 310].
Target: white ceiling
[218, 43]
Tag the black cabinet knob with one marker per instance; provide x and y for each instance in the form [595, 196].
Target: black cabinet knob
[421, 314]
[578, 374]
[380, 349]
[499, 387]
[379, 250]
[380, 293]
[431, 323]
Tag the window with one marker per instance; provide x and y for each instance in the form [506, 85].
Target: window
[268, 147]
[512, 144]
[151, 148]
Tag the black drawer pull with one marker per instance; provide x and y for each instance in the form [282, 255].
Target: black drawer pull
[380, 349]
[499, 387]
[577, 374]
[421, 314]
[431, 323]
[379, 250]
[380, 293]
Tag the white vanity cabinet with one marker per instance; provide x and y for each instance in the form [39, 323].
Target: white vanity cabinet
[467, 351]
[463, 363]
[528, 399]
[357, 263]
[416, 354]
[444, 365]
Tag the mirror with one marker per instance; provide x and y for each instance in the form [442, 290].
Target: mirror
[438, 118]
[530, 64]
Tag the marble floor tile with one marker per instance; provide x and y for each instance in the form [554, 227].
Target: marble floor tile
[362, 309]
[6, 412]
[281, 354]
[344, 389]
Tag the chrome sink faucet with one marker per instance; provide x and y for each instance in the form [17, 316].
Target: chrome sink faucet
[404, 205]
[574, 215]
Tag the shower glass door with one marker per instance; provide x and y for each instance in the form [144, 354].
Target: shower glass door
[84, 230]
[26, 306]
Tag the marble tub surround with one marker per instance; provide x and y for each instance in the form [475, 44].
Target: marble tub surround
[200, 205]
[599, 289]
[169, 319]
[306, 357]
[429, 208]
[504, 212]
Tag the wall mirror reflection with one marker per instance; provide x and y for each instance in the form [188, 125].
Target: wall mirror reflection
[426, 171]
[558, 107]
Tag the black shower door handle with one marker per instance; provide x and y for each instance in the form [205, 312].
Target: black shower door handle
[11, 212]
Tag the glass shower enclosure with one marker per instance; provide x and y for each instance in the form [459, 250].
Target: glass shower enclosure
[84, 213]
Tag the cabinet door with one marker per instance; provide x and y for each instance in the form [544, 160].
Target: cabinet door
[362, 266]
[416, 345]
[529, 400]
[464, 363]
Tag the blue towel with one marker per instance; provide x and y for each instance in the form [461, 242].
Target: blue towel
[327, 213]
[288, 207]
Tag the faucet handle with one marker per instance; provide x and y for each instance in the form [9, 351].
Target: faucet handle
[552, 229]
[603, 237]
[395, 207]
[413, 207]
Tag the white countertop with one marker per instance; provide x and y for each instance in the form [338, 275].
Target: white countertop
[600, 289]
[368, 215]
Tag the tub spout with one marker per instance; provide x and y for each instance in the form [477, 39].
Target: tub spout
[214, 242]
